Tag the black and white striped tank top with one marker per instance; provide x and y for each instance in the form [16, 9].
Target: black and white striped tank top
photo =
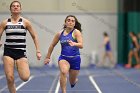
[15, 35]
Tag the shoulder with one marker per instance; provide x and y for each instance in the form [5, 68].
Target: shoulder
[26, 21]
[76, 31]
[58, 33]
[76, 34]
[3, 23]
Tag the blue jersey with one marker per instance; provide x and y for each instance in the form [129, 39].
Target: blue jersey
[66, 49]
[107, 46]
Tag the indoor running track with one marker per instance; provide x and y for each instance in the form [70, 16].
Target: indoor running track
[91, 80]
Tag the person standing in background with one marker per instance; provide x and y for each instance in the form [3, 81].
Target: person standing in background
[133, 51]
[108, 50]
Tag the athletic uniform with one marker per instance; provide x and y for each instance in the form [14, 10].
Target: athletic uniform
[15, 43]
[139, 45]
[107, 46]
[69, 53]
[133, 46]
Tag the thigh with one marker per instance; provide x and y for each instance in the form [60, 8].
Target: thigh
[109, 54]
[131, 53]
[136, 54]
[8, 66]
[23, 67]
[64, 66]
[104, 55]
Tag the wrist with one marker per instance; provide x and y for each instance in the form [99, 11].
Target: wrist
[38, 52]
[48, 57]
[75, 44]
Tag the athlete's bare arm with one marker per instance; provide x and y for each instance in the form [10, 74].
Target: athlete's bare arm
[34, 36]
[51, 47]
[2, 27]
[78, 36]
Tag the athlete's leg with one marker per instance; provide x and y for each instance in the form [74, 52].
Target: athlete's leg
[23, 68]
[64, 70]
[73, 77]
[104, 58]
[137, 59]
[9, 72]
[110, 55]
[130, 55]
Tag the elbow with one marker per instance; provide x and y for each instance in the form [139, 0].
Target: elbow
[34, 37]
[52, 45]
[81, 47]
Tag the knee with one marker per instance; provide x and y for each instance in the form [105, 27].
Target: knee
[10, 79]
[25, 78]
[64, 72]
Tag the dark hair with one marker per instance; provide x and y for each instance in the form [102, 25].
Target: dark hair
[14, 2]
[77, 24]
[133, 33]
[105, 34]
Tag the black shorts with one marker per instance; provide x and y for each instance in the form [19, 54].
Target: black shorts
[14, 53]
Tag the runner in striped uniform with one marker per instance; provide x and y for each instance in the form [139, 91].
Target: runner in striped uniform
[15, 45]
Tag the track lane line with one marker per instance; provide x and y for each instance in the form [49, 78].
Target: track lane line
[22, 84]
[5, 87]
[53, 84]
[1, 77]
[57, 87]
[95, 84]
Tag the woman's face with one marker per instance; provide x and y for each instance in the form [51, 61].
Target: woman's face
[15, 8]
[70, 22]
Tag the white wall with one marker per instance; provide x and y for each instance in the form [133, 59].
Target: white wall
[39, 6]
[47, 24]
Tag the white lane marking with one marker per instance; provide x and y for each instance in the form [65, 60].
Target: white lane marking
[1, 77]
[22, 84]
[5, 87]
[94, 83]
[57, 87]
[53, 84]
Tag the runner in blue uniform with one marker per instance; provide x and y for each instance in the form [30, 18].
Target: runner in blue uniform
[15, 45]
[108, 50]
[69, 60]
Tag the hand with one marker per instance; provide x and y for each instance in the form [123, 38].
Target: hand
[47, 61]
[71, 43]
[38, 54]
